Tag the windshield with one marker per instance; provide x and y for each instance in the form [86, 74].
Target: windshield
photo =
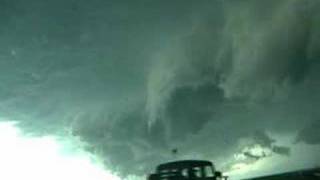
[110, 89]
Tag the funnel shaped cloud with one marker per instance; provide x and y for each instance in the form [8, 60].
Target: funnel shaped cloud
[135, 80]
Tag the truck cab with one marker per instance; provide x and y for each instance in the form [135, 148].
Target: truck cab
[186, 170]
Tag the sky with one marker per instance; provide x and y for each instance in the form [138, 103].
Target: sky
[45, 158]
[234, 82]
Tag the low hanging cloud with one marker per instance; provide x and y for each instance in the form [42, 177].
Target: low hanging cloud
[135, 80]
[310, 134]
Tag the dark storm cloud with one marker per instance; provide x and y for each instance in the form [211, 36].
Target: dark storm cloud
[137, 79]
[263, 70]
[268, 145]
[310, 133]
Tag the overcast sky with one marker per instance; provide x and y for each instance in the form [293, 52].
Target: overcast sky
[235, 82]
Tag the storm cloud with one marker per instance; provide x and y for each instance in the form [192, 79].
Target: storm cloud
[136, 79]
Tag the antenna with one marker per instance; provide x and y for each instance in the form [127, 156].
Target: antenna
[174, 152]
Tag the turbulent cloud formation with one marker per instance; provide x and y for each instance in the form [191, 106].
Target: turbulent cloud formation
[136, 79]
[310, 134]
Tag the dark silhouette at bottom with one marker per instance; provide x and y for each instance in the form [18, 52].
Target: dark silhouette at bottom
[186, 170]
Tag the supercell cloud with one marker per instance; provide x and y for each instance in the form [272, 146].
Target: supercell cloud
[235, 82]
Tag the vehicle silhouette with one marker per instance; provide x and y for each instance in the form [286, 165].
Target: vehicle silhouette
[186, 170]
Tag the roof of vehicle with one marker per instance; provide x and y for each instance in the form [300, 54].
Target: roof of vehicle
[183, 164]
